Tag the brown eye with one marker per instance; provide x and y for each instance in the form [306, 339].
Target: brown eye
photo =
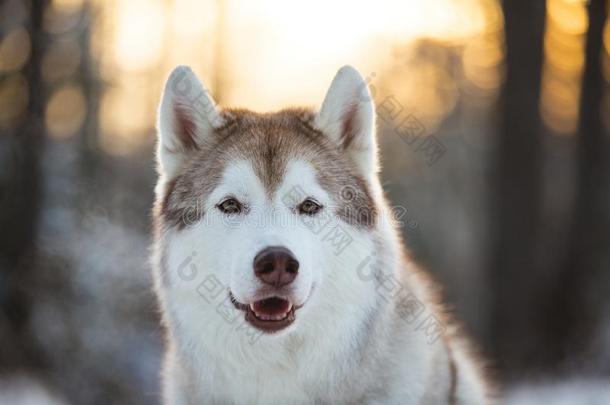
[230, 206]
[309, 207]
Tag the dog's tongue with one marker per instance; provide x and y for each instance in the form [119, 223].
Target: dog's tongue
[271, 308]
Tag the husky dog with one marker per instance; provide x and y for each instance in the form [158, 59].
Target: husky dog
[278, 266]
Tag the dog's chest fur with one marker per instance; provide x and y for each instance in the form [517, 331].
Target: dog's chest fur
[323, 370]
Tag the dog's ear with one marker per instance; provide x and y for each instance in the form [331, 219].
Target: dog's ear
[347, 116]
[186, 121]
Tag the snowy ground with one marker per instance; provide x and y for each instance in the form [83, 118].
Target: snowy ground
[25, 391]
[572, 392]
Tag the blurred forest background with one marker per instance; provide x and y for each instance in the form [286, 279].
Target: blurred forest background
[510, 209]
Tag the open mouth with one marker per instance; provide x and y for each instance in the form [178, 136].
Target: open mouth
[269, 315]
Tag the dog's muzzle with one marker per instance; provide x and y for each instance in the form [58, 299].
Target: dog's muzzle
[276, 267]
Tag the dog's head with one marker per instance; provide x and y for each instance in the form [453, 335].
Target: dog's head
[264, 215]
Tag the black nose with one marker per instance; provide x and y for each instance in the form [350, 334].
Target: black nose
[276, 266]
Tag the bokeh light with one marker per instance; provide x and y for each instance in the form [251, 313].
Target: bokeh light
[124, 117]
[259, 55]
[79, 92]
[65, 111]
[62, 16]
[564, 43]
[139, 34]
[14, 50]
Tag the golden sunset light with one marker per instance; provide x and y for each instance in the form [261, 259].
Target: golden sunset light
[260, 202]
[236, 46]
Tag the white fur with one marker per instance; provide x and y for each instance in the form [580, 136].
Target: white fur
[349, 98]
[183, 88]
[347, 344]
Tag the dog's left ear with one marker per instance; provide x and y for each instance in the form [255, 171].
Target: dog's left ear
[347, 116]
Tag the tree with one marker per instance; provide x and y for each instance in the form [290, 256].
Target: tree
[583, 282]
[19, 214]
[515, 189]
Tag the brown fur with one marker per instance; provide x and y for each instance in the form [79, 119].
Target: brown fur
[268, 141]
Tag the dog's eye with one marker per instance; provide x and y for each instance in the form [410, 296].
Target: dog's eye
[309, 207]
[230, 206]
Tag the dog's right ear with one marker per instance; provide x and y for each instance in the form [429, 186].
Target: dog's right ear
[187, 119]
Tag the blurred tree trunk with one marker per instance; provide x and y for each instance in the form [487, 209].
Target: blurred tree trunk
[88, 77]
[584, 283]
[515, 188]
[19, 214]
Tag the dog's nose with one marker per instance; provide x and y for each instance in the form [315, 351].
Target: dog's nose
[276, 266]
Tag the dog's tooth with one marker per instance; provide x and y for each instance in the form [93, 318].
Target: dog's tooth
[271, 317]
